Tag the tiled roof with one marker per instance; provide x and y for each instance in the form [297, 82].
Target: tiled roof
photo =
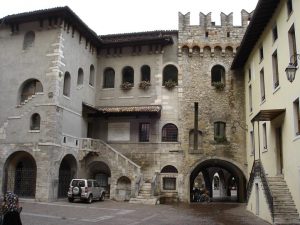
[130, 109]
[261, 16]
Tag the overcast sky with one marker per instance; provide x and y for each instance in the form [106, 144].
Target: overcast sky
[123, 16]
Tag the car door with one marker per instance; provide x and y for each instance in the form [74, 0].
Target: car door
[96, 189]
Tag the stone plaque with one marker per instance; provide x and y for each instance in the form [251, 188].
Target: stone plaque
[118, 132]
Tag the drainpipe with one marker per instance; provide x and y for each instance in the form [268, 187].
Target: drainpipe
[195, 125]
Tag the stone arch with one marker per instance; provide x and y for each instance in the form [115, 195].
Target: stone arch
[229, 51]
[222, 164]
[20, 173]
[218, 49]
[80, 77]
[29, 88]
[185, 49]
[218, 74]
[35, 121]
[67, 171]
[207, 50]
[196, 50]
[123, 189]
[169, 169]
[100, 171]
[67, 84]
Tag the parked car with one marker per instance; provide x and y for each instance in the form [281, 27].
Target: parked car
[85, 190]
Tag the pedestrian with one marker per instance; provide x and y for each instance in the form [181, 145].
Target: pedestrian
[11, 210]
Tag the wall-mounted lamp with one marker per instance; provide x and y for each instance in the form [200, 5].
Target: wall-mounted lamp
[292, 67]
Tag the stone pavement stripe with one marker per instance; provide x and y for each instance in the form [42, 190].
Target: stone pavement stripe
[143, 220]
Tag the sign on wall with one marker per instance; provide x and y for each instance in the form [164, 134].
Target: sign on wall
[118, 132]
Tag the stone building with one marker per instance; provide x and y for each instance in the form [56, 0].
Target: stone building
[151, 115]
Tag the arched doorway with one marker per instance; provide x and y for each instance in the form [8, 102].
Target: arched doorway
[67, 171]
[229, 177]
[123, 191]
[100, 171]
[20, 174]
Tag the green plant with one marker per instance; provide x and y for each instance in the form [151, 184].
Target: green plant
[126, 85]
[170, 84]
[145, 84]
[218, 85]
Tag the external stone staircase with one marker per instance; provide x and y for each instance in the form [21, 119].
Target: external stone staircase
[145, 195]
[284, 209]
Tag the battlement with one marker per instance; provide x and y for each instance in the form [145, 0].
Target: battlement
[206, 21]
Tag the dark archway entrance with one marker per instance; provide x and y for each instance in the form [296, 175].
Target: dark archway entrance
[123, 191]
[20, 174]
[232, 180]
[100, 171]
[67, 171]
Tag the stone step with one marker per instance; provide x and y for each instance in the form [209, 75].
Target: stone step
[150, 201]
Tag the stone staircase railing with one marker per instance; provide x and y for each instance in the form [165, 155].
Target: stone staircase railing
[100, 146]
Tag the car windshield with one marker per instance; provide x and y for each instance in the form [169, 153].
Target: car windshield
[78, 183]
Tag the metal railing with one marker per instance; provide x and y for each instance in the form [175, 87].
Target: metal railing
[138, 184]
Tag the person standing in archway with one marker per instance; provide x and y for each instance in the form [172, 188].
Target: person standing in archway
[11, 210]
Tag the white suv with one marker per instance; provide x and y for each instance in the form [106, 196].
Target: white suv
[85, 189]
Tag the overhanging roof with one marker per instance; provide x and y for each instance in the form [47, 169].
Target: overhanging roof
[125, 110]
[261, 17]
[267, 115]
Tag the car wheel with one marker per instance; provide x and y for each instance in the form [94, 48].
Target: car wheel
[102, 197]
[71, 199]
[90, 199]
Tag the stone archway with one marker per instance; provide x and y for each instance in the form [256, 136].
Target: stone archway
[208, 169]
[101, 172]
[20, 174]
[123, 190]
[67, 171]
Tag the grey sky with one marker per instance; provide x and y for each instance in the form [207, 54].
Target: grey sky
[123, 16]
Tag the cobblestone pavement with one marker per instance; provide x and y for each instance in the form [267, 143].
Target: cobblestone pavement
[116, 213]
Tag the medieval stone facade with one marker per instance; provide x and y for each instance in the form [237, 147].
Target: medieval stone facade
[121, 108]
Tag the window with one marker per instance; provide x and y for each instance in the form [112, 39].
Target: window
[252, 142]
[206, 34]
[128, 75]
[275, 33]
[262, 85]
[289, 5]
[261, 53]
[170, 74]
[250, 99]
[219, 131]
[109, 78]
[169, 133]
[35, 122]
[275, 70]
[92, 76]
[292, 44]
[80, 77]
[217, 75]
[297, 117]
[29, 88]
[28, 40]
[145, 73]
[169, 183]
[265, 143]
[249, 74]
[169, 169]
[228, 34]
[67, 84]
[144, 132]
[169, 174]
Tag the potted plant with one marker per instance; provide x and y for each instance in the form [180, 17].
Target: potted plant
[170, 84]
[126, 86]
[218, 85]
[145, 84]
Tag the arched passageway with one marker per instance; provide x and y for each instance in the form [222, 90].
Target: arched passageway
[20, 174]
[123, 191]
[67, 171]
[223, 175]
[100, 171]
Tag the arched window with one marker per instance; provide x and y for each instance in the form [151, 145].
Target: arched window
[145, 73]
[35, 122]
[80, 77]
[169, 133]
[92, 75]
[128, 75]
[67, 84]
[217, 75]
[169, 174]
[170, 74]
[109, 78]
[28, 40]
[29, 88]
[220, 131]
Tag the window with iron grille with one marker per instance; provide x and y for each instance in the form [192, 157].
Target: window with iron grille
[169, 133]
[144, 132]
[169, 183]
